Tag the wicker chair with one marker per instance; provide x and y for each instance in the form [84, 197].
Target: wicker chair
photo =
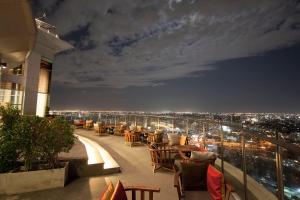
[162, 156]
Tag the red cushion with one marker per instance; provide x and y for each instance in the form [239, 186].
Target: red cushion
[214, 183]
[119, 193]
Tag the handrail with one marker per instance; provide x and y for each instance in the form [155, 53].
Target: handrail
[246, 131]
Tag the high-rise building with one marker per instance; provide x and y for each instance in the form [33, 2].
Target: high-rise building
[27, 51]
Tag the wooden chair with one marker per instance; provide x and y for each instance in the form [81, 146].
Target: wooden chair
[100, 128]
[142, 190]
[202, 194]
[119, 191]
[162, 156]
[89, 124]
[155, 137]
[132, 138]
[119, 130]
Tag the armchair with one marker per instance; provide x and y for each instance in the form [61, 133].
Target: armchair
[132, 138]
[215, 188]
[99, 128]
[119, 130]
[89, 124]
[162, 156]
[156, 137]
[119, 192]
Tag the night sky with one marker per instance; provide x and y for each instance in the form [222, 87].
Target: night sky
[176, 55]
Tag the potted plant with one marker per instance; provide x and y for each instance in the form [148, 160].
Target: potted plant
[34, 142]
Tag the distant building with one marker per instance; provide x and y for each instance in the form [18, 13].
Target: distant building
[27, 51]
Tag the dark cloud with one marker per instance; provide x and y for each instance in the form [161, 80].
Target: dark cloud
[122, 44]
[117, 40]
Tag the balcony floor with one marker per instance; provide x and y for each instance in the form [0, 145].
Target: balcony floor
[135, 169]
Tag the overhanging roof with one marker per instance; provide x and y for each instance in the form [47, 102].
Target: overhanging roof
[17, 30]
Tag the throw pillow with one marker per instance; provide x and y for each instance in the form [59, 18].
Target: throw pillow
[183, 139]
[215, 183]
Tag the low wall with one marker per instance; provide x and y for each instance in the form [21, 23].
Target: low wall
[235, 176]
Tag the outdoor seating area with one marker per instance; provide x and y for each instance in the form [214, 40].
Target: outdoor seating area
[169, 153]
[180, 170]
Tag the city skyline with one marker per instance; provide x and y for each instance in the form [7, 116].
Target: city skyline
[176, 56]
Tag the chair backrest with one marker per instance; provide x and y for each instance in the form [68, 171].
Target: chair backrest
[155, 137]
[194, 175]
[161, 153]
[138, 128]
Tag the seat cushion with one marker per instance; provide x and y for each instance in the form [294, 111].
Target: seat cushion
[202, 156]
[173, 139]
[215, 183]
[108, 192]
[119, 193]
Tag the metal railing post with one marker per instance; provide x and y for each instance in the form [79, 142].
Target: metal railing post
[244, 167]
[157, 122]
[187, 126]
[172, 125]
[222, 150]
[280, 186]
[204, 135]
[146, 122]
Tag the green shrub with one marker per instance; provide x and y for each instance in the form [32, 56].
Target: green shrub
[57, 138]
[9, 153]
[29, 130]
[32, 139]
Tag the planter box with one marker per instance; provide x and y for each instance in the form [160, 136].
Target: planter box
[21, 182]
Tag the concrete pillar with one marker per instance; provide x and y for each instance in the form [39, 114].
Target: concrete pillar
[31, 81]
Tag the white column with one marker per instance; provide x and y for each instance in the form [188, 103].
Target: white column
[31, 81]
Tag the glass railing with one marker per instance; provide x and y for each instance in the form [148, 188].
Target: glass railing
[259, 163]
